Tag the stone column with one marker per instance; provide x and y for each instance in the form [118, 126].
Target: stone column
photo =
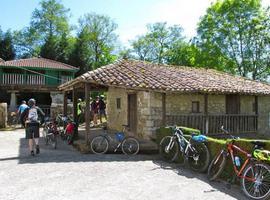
[13, 102]
[57, 103]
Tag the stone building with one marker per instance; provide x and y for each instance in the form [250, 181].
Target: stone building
[146, 96]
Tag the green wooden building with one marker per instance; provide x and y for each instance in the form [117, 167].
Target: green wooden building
[33, 78]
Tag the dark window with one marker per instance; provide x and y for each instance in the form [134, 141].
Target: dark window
[195, 106]
[232, 104]
[118, 103]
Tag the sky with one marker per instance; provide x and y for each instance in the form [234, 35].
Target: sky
[132, 16]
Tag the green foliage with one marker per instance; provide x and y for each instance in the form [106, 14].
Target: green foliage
[7, 51]
[234, 36]
[95, 43]
[156, 44]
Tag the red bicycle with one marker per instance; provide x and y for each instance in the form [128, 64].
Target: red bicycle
[254, 174]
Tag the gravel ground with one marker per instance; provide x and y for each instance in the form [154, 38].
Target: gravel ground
[66, 174]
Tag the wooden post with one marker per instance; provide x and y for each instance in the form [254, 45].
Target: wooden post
[65, 104]
[87, 110]
[75, 114]
[164, 109]
[256, 113]
[206, 114]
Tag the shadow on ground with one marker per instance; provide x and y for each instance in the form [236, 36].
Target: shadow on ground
[222, 186]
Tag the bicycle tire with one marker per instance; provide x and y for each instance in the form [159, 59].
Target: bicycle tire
[45, 133]
[216, 166]
[54, 141]
[169, 154]
[260, 189]
[198, 159]
[99, 142]
[130, 146]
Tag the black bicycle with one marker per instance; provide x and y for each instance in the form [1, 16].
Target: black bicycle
[192, 152]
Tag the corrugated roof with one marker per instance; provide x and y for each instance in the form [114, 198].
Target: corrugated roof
[38, 63]
[141, 75]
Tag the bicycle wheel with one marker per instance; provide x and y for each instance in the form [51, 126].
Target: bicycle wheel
[260, 187]
[45, 133]
[216, 166]
[53, 141]
[167, 152]
[99, 145]
[198, 157]
[130, 146]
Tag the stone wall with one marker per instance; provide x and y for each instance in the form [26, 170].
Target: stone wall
[216, 104]
[264, 115]
[3, 115]
[59, 109]
[116, 117]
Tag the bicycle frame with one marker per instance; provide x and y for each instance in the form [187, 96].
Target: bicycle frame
[110, 139]
[180, 138]
[231, 149]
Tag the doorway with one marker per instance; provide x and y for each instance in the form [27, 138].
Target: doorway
[132, 113]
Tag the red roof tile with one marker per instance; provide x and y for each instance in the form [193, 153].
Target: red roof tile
[39, 63]
[147, 76]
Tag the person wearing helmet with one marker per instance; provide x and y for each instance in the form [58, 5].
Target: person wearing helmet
[79, 109]
[30, 119]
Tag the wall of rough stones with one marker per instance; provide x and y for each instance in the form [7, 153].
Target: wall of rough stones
[3, 115]
[149, 109]
[264, 115]
[116, 117]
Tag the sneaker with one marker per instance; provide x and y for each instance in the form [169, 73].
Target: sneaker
[37, 149]
[32, 153]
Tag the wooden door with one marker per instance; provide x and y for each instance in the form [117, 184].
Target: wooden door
[132, 112]
[232, 104]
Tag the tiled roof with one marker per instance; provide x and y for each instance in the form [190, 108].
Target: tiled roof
[38, 63]
[141, 75]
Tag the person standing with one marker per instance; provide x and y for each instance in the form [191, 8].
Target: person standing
[29, 117]
[21, 108]
[94, 109]
[102, 108]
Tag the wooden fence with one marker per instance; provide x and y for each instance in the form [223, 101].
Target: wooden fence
[212, 123]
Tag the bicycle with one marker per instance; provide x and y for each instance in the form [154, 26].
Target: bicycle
[254, 174]
[13, 120]
[191, 152]
[50, 132]
[129, 145]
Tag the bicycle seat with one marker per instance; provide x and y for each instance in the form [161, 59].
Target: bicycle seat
[258, 144]
[125, 125]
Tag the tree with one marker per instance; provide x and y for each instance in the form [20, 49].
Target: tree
[7, 51]
[48, 26]
[95, 43]
[51, 19]
[236, 32]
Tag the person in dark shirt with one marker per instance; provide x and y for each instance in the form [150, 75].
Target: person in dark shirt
[94, 109]
[102, 108]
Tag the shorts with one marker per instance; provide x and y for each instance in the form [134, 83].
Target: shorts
[102, 112]
[32, 130]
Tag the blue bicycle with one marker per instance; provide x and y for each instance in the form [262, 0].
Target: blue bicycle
[129, 145]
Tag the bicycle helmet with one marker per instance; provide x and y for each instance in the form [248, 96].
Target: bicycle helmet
[31, 102]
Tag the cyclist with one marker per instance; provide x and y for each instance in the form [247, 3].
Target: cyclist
[79, 109]
[31, 123]
[21, 108]
[94, 109]
[102, 108]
